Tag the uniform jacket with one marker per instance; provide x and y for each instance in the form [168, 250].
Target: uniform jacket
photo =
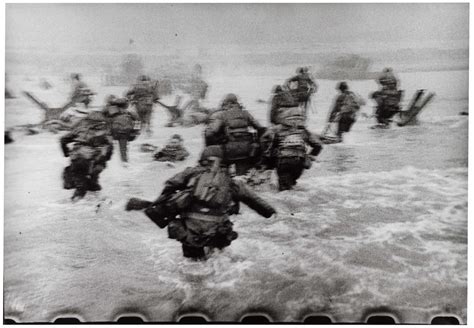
[339, 104]
[143, 92]
[240, 193]
[279, 100]
[91, 133]
[272, 141]
[305, 82]
[221, 119]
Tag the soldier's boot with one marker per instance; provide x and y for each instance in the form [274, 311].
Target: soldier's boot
[285, 181]
[79, 193]
[68, 178]
[93, 184]
[195, 253]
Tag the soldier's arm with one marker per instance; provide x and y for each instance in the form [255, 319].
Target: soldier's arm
[252, 200]
[134, 114]
[313, 140]
[267, 142]
[336, 108]
[255, 124]
[314, 85]
[214, 126]
[65, 140]
[274, 113]
[295, 78]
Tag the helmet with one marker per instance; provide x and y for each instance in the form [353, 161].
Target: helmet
[277, 89]
[342, 86]
[177, 137]
[387, 69]
[110, 99]
[75, 76]
[211, 151]
[120, 102]
[230, 99]
[143, 78]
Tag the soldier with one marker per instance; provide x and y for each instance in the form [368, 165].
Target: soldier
[197, 90]
[122, 123]
[284, 147]
[202, 196]
[344, 110]
[306, 86]
[281, 99]
[176, 113]
[388, 98]
[230, 127]
[174, 151]
[143, 94]
[80, 91]
[92, 148]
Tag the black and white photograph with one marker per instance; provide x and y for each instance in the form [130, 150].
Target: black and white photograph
[236, 163]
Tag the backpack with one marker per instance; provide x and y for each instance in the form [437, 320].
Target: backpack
[91, 133]
[212, 188]
[122, 123]
[292, 144]
[239, 138]
[350, 104]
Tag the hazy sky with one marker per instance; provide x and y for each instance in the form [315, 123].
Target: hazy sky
[170, 25]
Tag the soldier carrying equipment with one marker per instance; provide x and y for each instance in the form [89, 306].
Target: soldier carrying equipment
[92, 148]
[230, 127]
[344, 111]
[122, 123]
[143, 95]
[306, 86]
[197, 202]
[284, 148]
[388, 98]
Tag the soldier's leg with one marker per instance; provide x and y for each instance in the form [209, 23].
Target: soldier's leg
[80, 171]
[94, 177]
[68, 178]
[196, 253]
[123, 142]
[148, 113]
[297, 170]
[285, 175]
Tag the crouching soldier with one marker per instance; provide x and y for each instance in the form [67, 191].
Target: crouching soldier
[231, 127]
[196, 203]
[91, 149]
[174, 151]
[122, 123]
[284, 147]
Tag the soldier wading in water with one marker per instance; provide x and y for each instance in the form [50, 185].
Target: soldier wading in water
[196, 203]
